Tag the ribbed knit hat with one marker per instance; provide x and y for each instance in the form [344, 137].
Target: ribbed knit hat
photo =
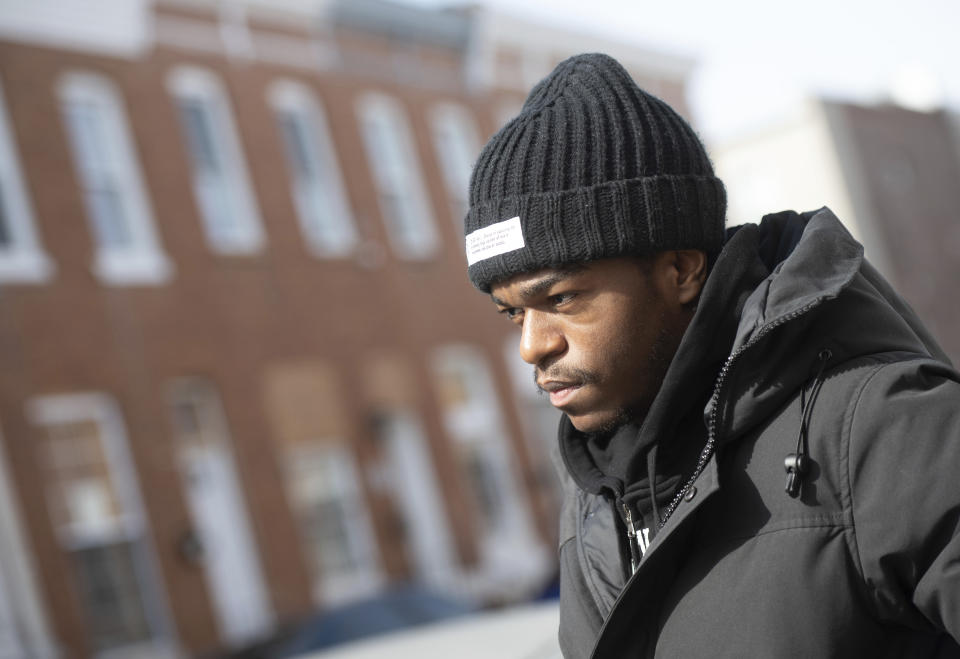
[592, 167]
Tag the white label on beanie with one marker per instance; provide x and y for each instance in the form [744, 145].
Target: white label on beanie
[494, 240]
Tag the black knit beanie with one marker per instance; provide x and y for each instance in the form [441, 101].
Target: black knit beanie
[593, 167]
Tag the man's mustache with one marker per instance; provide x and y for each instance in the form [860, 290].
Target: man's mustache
[558, 373]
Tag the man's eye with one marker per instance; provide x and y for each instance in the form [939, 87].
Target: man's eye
[512, 312]
[560, 298]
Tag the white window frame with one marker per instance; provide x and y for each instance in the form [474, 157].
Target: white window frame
[322, 209]
[457, 144]
[245, 234]
[395, 166]
[142, 261]
[102, 409]
[23, 259]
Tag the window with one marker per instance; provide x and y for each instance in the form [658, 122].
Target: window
[314, 176]
[393, 160]
[221, 184]
[323, 489]
[457, 145]
[94, 503]
[21, 257]
[127, 250]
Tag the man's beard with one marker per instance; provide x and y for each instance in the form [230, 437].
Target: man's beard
[658, 361]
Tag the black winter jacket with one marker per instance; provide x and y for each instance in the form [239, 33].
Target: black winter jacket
[865, 560]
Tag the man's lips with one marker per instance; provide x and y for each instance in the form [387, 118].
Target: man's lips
[560, 392]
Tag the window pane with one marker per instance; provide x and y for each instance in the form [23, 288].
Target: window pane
[297, 140]
[89, 143]
[109, 227]
[110, 593]
[187, 419]
[326, 502]
[102, 194]
[216, 205]
[403, 217]
[391, 152]
[327, 525]
[195, 116]
[83, 495]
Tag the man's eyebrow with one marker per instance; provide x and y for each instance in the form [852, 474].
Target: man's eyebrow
[542, 285]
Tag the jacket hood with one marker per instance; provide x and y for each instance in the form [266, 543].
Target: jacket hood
[795, 313]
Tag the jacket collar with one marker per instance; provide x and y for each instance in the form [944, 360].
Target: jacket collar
[822, 264]
[775, 324]
[690, 376]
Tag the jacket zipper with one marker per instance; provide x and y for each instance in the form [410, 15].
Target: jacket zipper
[714, 413]
[635, 554]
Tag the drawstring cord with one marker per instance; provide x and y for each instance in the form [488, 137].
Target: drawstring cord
[798, 464]
[652, 475]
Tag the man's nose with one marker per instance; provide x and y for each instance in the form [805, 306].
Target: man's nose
[539, 338]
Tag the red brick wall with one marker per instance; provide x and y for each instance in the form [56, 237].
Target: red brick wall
[229, 318]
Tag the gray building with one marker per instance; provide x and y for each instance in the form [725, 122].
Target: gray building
[890, 173]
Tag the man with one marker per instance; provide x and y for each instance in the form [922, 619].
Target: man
[760, 441]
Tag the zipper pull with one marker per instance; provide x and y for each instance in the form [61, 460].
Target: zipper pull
[631, 538]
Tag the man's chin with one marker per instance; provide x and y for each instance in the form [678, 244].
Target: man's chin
[600, 422]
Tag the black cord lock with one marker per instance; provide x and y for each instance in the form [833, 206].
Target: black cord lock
[797, 466]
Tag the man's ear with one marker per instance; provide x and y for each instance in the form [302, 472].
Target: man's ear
[686, 271]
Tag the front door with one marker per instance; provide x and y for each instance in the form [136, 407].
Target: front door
[215, 501]
[414, 487]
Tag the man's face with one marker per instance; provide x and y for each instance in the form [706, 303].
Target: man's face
[600, 337]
